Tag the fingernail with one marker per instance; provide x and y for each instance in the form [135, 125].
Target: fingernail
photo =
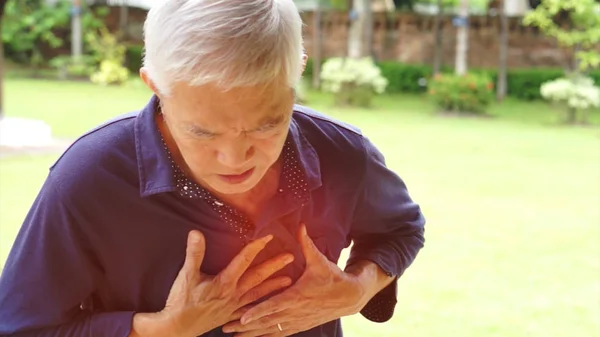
[227, 330]
[288, 259]
[304, 230]
[268, 238]
[246, 320]
[194, 237]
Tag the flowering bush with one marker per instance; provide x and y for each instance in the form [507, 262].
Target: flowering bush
[110, 72]
[470, 93]
[352, 81]
[110, 55]
[578, 93]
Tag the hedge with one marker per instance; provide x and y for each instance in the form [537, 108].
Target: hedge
[133, 58]
[523, 84]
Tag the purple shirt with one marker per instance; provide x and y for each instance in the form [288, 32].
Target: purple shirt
[106, 235]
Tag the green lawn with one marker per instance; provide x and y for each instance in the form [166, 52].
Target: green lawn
[512, 202]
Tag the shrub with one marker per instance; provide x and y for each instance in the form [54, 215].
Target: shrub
[133, 58]
[577, 94]
[69, 67]
[523, 84]
[352, 81]
[470, 93]
[110, 55]
[406, 78]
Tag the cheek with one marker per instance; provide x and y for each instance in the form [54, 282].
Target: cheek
[196, 155]
[269, 148]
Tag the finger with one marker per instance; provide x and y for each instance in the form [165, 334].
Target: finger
[194, 254]
[257, 274]
[239, 313]
[263, 325]
[273, 331]
[283, 333]
[243, 260]
[310, 251]
[255, 333]
[270, 307]
[264, 289]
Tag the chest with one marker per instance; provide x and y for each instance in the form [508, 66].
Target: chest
[144, 260]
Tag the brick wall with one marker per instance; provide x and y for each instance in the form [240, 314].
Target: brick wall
[409, 38]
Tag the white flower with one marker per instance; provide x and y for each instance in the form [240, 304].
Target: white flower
[337, 72]
[578, 93]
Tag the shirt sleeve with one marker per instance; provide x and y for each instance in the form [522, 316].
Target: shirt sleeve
[387, 229]
[50, 273]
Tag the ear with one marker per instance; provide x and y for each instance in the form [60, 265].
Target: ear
[148, 81]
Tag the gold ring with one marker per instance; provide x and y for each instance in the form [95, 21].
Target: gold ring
[279, 327]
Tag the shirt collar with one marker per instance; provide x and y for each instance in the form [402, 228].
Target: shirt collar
[155, 169]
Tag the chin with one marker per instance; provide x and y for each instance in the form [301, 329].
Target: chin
[231, 189]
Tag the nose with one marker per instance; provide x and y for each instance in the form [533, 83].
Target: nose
[235, 153]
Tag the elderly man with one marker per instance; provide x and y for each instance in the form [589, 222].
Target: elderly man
[219, 209]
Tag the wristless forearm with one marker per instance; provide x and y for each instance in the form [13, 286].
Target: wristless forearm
[148, 325]
[370, 276]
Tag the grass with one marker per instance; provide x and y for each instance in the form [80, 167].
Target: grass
[512, 204]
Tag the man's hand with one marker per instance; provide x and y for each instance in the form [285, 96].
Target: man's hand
[199, 303]
[323, 293]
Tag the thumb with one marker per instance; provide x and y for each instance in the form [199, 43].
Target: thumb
[194, 254]
[309, 249]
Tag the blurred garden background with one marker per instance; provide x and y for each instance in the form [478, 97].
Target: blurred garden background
[488, 109]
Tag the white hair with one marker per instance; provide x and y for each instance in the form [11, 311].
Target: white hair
[229, 43]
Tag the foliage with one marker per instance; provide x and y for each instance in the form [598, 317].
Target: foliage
[133, 57]
[353, 81]
[469, 93]
[577, 93]
[28, 24]
[69, 67]
[110, 55]
[523, 84]
[477, 5]
[405, 78]
[582, 32]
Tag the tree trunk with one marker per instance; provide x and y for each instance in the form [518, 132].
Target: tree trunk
[501, 86]
[571, 117]
[355, 35]
[462, 38]
[2, 5]
[368, 28]
[123, 20]
[76, 33]
[438, 47]
[318, 47]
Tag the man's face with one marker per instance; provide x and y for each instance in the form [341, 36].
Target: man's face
[228, 140]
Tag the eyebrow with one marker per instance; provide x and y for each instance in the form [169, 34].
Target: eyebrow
[198, 131]
[270, 121]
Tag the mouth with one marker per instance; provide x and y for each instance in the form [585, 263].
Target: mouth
[236, 178]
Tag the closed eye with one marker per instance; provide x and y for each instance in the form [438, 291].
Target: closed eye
[199, 133]
[266, 127]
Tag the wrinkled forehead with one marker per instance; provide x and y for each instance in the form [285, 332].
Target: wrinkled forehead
[196, 103]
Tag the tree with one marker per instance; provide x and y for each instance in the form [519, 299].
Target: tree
[357, 28]
[438, 46]
[501, 85]
[27, 24]
[2, 6]
[575, 24]
[582, 33]
[462, 38]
